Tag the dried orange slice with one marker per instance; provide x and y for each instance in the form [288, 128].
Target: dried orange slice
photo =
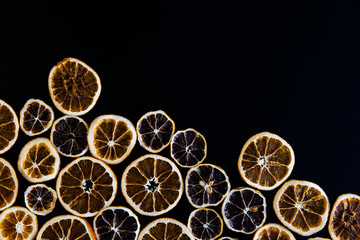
[69, 136]
[165, 228]
[302, 206]
[188, 148]
[9, 184]
[36, 117]
[273, 231]
[39, 161]
[206, 185]
[40, 199]
[344, 221]
[9, 127]
[85, 186]
[116, 223]
[152, 185]
[205, 224]
[266, 161]
[74, 87]
[244, 210]
[111, 138]
[67, 227]
[18, 223]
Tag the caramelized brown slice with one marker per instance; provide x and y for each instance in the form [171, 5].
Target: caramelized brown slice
[8, 184]
[9, 127]
[205, 224]
[40, 199]
[273, 231]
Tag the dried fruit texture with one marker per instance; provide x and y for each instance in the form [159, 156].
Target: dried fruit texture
[9, 127]
[205, 224]
[40, 199]
[273, 231]
[9, 185]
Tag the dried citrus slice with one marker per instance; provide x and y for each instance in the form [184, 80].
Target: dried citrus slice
[344, 221]
[9, 127]
[302, 206]
[165, 228]
[152, 185]
[205, 223]
[67, 227]
[40, 199]
[85, 186]
[244, 210]
[39, 161]
[273, 231]
[188, 148]
[266, 161]
[69, 136]
[9, 184]
[116, 223]
[206, 185]
[227, 238]
[111, 138]
[18, 223]
[36, 117]
[74, 86]
[154, 131]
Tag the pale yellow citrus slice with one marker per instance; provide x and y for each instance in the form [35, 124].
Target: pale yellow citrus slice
[40, 199]
[205, 224]
[9, 127]
[273, 231]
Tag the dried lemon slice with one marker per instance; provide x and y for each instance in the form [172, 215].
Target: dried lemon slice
[205, 224]
[39, 161]
[302, 206]
[36, 117]
[9, 184]
[74, 87]
[40, 199]
[9, 127]
[273, 231]
[266, 161]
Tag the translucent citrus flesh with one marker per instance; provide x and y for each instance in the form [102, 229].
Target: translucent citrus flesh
[36, 118]
[74, 86]
[41, 199]
[266, 161]
[8, 186]
[273, 233]
[205, 224]
[165, 231]
[9, 225]
[8, 127]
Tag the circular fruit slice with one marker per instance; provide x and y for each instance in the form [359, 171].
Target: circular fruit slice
[9, 127]
[74, 87]
[9, 185]
[273, 231]
[152, 185]
[206, 185]
[111, 138]
[165, 228]
[39, 161]
[40, 199]
[205, 223]
[69, 136]
[266, 161]
[244, 210]
[67, 227]
[36, 117]
[85, 186]
[302, 206]
[18, 223]
[188, 148]
[116, 223]
[154, 130]
[344, 221]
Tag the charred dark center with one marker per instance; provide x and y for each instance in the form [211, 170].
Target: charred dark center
[88, 185]
[152, 185]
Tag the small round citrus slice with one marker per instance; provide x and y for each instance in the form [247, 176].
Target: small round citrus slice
[40, 199]
[18, 223]
[69, 136]
[302, 206]
[116, 223]
[9, 184]
[188, 148]
[85, 186]
[111, 138]
[67, 227]
[9, 127]
[273, 231]
[244, 210]
[206, 185]
[38, 160]
[205, 224]
[36, 117]
[344, 221]
[154, 131]
[152, 185]
[266, 161]
[74, 87]
[165, 228]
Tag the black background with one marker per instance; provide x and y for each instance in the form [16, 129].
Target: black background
[226, 69]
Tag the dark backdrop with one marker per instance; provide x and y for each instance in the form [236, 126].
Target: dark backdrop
[226, 69]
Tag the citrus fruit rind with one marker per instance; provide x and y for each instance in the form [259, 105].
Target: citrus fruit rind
[9, 184]
[9, 127]
[273, 231]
